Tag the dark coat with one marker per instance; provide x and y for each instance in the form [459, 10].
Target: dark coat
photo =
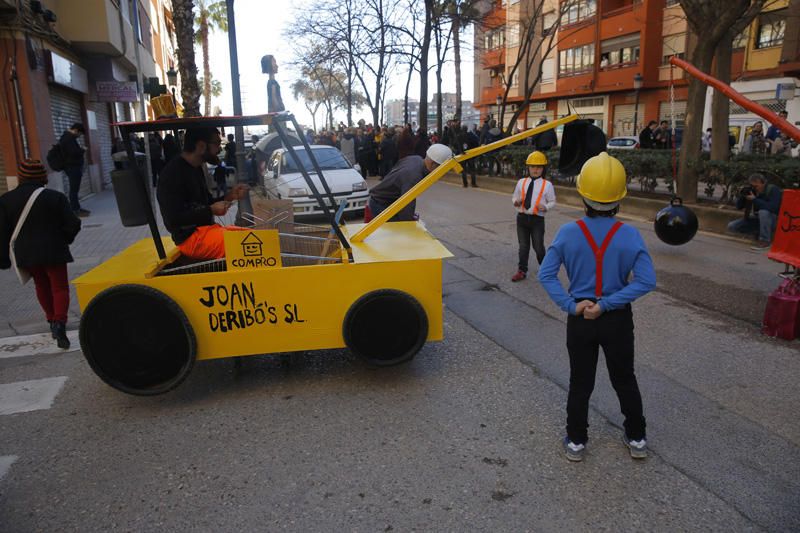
[48, 231]
[647, 138]
[73, 153]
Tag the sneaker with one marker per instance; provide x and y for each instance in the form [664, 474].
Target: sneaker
[760, 246]
[60, 331]
[574, 451]
[519, 276]
[638, 448]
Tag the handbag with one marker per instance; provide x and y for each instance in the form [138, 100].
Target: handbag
[782, 314]
[23, 275]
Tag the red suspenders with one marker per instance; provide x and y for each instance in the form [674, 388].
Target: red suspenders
[599, 252]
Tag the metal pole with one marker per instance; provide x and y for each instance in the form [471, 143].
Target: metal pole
[140, 83]
[636, 114]
[237, 94]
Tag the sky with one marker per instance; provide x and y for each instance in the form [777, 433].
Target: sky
[259, 27]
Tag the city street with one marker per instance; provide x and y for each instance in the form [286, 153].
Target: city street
[467, 437]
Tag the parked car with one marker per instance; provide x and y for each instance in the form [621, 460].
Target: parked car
[623, 143]
[283, 180]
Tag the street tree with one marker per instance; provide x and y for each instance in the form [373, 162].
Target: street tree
[311, 96]
[183, 18]
[211, 16]
[423, 64]
[462, 14]
[442, 35]
[535, 34]
[717, 22]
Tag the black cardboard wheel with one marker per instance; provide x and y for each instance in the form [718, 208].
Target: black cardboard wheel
[138, 340]
[386, 327]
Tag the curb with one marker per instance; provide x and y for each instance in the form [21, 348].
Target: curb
[713, 220]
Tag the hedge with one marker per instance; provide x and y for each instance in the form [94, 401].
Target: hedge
[649, 168]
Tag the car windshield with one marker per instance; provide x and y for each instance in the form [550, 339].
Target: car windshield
[327, 158]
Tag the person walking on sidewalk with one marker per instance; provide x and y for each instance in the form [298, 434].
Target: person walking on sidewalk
[533, 197]
[73, 165]
[599, 254]
[35, 234]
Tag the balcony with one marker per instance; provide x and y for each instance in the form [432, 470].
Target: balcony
[105, 33]
[494, 58]
[489, 94]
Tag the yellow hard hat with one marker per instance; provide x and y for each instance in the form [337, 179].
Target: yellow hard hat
[536, 159]
[602, 180]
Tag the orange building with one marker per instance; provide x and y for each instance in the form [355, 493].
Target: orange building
[75, 61]
[609, 60]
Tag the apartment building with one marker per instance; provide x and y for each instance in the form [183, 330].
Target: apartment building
[76, 61]
[609, 61]
[394, 111]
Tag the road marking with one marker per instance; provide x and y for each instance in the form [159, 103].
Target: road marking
[38, 344]
[5, 464]
[25, 396]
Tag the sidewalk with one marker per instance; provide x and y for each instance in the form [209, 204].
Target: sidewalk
[101, 237]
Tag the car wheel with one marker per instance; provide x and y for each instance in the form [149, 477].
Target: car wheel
[386, 327]
[138, 340]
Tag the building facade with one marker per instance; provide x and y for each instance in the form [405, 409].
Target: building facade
[76, 61]
[609, 60]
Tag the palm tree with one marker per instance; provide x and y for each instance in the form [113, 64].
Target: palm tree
[210, 16]
[183, 17]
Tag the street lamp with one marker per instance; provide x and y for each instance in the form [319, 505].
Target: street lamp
[172, 79]
[499, 102]
[637, 84]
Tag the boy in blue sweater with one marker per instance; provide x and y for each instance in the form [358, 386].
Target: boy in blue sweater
[599, 254]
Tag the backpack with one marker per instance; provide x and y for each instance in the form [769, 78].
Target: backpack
[55, 157]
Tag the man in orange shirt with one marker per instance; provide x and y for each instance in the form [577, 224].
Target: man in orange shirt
[188, 209]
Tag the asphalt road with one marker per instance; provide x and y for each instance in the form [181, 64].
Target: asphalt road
[464, 438]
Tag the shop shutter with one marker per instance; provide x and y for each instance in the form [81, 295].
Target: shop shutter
[65, 106]
[680, 112]
[102, 136]
[623, 121]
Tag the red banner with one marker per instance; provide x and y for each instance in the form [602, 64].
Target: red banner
[786, 244]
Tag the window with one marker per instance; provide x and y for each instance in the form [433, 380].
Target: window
[549, 21]
[619, 51]
[674, 45]
[494, 38]
[577, 11]
[548, 70]
[771, 27]
[574, 61]
[515, 79]
[512, 35]
[740, 41]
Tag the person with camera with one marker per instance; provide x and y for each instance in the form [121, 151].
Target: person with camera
[761, 202]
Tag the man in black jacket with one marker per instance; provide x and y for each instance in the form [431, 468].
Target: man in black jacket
[188, 209]
[73, 164]
[41, 247]
[647, 138]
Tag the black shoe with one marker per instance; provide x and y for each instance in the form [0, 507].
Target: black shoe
[474, 184]
[83, 213]
[52, 328]
[60, 332]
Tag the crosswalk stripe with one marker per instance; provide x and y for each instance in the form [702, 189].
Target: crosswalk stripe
[38, 344]
[5, 464]
[25, 396]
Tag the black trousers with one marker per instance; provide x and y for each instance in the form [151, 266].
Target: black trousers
[613, 331]
[74, 173]
[530, 230]
[469, 168]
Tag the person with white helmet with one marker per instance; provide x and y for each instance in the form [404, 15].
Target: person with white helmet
[404, 175]
[533, 197]
[600, 253]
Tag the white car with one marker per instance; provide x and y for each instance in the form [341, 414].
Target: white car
[623, 143]
[283, 180]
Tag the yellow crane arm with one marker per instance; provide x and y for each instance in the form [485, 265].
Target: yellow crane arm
[444, 168]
